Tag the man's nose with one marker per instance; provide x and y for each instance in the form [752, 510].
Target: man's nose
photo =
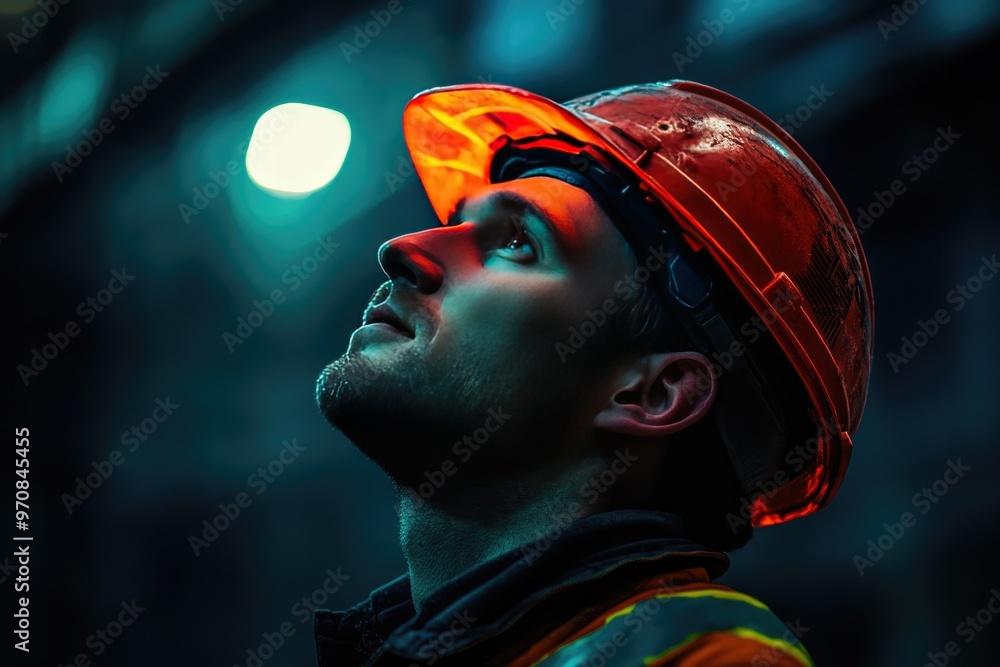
[419, 258]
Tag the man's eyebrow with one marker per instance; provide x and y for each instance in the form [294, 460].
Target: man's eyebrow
[518, 204]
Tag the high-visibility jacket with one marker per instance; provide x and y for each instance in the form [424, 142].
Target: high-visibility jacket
[616, 589]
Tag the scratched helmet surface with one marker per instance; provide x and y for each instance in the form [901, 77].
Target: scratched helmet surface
[740, 187]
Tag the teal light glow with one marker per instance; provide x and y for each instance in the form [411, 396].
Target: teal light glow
[71, 92]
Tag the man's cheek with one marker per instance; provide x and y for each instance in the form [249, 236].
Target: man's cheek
[490, 318]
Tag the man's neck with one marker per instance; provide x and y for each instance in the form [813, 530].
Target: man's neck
[444, 538]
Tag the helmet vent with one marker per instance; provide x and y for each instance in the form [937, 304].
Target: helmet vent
[827, 285]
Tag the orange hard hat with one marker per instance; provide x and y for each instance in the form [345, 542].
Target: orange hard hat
[738, 188]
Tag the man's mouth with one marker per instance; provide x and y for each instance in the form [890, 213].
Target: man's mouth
[384, 314]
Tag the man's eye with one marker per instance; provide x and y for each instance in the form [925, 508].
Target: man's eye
[520, 241]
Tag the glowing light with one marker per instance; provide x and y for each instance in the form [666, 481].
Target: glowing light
[297, 148]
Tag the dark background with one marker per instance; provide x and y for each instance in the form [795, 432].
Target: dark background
[63, 235]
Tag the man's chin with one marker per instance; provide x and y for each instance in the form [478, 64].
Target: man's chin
[387, 416]
[364, 405]
[343, 387]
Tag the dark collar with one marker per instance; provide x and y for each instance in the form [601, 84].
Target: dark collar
[481, 602]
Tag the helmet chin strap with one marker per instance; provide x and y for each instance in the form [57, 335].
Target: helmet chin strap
[752, 430]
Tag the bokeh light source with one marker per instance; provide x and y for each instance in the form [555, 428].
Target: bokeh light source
[297, 148]
[71, 93]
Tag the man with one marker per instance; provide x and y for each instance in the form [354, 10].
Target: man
[644, 328]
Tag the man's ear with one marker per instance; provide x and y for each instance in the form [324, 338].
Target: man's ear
[660, 394]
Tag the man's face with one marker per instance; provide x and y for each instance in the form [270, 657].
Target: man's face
[478, 379]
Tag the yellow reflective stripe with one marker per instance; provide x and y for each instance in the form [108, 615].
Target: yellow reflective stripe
[799, 653]
[695, 613]
[715, 593]
[707, 592]
[621, 612]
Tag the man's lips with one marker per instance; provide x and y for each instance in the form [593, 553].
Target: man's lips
[385, 314]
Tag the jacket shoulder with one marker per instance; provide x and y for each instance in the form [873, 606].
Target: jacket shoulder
[695, 624]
